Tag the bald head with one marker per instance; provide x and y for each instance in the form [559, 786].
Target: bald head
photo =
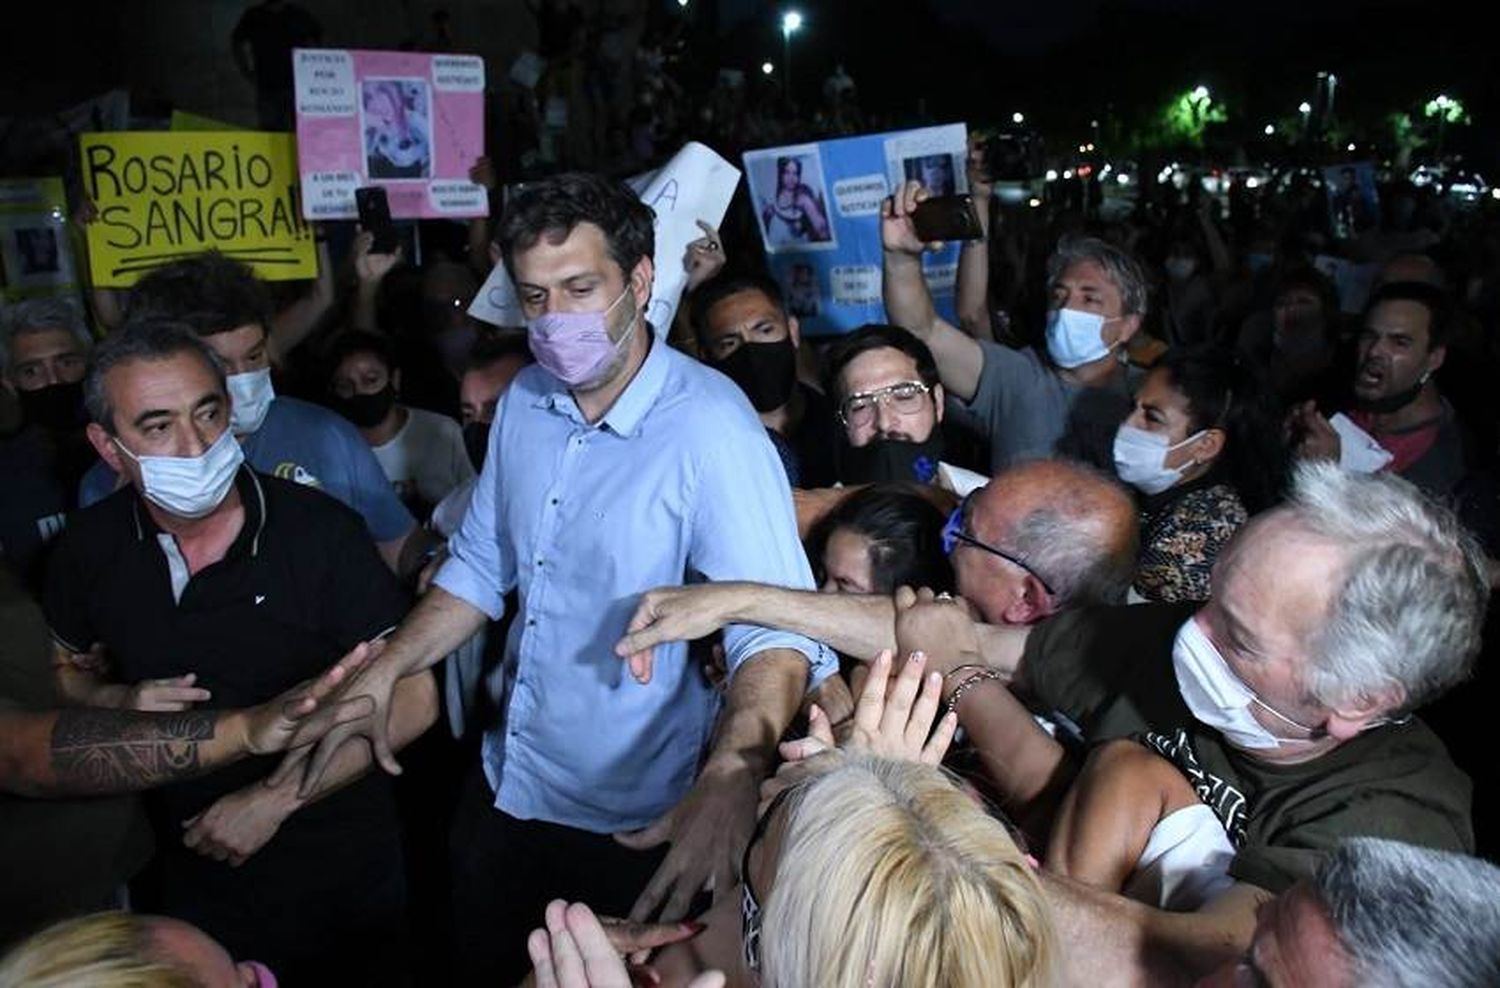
[1073, 527]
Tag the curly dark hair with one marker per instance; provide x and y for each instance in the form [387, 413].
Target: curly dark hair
[210, 293]
[552, 207]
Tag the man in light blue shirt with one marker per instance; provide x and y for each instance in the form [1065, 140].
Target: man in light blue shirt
[615, 464]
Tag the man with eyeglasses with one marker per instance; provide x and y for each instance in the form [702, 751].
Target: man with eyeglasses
[890, 404]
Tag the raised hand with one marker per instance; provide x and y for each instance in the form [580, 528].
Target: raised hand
[897, 233]
[705, 256]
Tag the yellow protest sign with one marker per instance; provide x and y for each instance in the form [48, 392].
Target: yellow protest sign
[162, 196]
[183, 120]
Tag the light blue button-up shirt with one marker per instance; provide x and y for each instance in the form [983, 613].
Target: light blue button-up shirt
[677, 483]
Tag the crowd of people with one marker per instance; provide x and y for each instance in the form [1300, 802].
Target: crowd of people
[1124, 628]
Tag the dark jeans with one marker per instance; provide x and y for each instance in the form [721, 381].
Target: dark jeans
[505, 871]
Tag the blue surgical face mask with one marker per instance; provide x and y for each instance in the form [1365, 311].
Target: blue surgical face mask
[250, 397]
[190, 486]
[1075, 337]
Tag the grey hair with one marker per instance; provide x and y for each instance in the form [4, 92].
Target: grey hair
[1063, 542]
[1123, 269]
[1411, 603]
[1411, 915]
[40, 315]
[150, 339]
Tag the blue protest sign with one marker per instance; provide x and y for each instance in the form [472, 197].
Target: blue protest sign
[818, 210]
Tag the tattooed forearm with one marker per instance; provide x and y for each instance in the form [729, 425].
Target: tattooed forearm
[96, 751]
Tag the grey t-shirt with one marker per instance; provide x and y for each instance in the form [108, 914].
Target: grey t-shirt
[1028, 410]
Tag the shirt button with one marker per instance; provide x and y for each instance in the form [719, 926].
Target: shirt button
[554, 500]
[530, 622]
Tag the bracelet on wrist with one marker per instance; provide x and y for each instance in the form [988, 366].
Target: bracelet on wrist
[981, 676]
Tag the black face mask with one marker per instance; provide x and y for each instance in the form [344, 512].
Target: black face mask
[477, 442]
[882, 460]
[1391, 403]
[369, 410]
[766, 372]
[58, 407]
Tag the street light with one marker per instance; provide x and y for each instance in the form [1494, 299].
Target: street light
[1304, 108]
[1200, 92]
[1018, 117]
[767, 68]
[1270, 129]
[791, 23]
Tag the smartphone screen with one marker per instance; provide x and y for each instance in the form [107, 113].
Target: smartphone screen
[375, 216]
[947, 218]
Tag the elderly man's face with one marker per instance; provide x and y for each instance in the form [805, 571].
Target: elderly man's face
[1003, 592]
[1294, 945]
[1272, 588]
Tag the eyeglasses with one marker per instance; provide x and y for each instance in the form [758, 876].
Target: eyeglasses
[954, 533]
[906, 397]
[750, 918]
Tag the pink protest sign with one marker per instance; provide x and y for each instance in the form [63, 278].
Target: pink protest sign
[410, 122]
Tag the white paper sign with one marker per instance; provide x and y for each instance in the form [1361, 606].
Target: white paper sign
[933, 156]
[1358, 450]
[695, 185]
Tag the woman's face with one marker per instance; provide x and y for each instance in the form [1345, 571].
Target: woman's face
[846, 563]
[1162, 409]
[791, 175]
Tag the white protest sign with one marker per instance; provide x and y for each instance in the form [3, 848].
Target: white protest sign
[695, 185]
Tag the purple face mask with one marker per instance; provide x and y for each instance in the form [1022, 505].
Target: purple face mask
[263, 976]
[575, 347]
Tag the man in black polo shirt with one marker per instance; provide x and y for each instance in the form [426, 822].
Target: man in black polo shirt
[209, 584]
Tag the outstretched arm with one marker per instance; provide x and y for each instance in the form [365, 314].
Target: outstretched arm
[240, 823]
[90, 751]
[856, 625]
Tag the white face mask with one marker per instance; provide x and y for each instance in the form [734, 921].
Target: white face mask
[1218, 698]
[1141, 459]
[250, 396]
[190, 486]
[1075, 337]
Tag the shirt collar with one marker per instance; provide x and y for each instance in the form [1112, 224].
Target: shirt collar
[252, 496]
[629, 410]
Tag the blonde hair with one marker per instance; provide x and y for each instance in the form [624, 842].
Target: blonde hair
[104, 950]
[889, 874]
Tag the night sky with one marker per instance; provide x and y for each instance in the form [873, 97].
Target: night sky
[1065, 63]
